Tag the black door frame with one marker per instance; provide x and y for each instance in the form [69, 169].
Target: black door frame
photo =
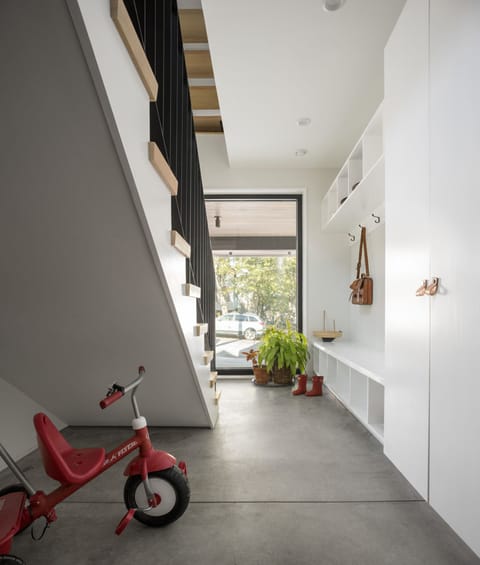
[298, 198]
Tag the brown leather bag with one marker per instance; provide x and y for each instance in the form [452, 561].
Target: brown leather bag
[362, 286]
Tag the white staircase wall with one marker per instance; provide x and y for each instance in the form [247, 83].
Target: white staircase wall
[92, 286]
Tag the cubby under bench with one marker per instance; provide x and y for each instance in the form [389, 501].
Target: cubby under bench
[354, 374]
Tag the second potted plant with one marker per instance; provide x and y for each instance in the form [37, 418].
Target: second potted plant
[283, 351]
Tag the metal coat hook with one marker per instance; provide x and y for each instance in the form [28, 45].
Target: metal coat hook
[376, 219]
[352, 237]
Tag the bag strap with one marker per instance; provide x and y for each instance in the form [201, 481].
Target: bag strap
[363, 247]
[360, 249]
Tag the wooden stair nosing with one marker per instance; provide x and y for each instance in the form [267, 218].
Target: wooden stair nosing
[207, 357]
[200, 329]
[180, 244]
[160, 164]
[213, 378]
[123, 23]
[192, 290]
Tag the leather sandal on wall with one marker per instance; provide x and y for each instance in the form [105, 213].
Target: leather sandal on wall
[422, 289]
[432, 288]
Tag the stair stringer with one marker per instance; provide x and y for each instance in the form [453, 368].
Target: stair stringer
[126, 107]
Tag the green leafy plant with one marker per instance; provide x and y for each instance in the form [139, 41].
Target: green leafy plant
[283, 348]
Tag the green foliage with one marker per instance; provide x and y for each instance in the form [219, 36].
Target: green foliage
[281, 348]
[265, 286]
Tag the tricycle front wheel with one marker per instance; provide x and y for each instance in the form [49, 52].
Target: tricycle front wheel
[172, 487]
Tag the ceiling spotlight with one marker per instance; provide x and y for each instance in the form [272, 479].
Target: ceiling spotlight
[332, 5]
[304, 121]
[217, 221]
[300, 152]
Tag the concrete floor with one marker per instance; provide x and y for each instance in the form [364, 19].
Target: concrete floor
[282, 480]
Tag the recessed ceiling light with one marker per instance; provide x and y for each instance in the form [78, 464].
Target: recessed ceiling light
[332, 5]
[304, 121]
[300, 152]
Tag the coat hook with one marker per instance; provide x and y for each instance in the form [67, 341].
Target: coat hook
[352, 237]
[376, 218]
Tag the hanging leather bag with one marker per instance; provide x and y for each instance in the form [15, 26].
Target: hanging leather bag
[362, 286]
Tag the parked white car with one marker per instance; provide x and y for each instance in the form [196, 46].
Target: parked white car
[248, 326]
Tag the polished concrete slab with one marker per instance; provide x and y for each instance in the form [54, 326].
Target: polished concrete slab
[281, 480]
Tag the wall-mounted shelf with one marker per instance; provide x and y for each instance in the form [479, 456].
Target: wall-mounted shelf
[354, 374]
[359, 187]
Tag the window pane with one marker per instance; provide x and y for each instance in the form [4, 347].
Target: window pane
[257, 291]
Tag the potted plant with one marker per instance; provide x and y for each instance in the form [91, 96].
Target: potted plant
[261, 375]
[283, 351]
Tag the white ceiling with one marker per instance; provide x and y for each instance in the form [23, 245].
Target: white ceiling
[252, 218]
[279, 60]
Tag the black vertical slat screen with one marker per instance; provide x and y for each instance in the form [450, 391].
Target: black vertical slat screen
[171, 128]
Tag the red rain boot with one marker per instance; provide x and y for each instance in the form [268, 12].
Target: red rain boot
[316, 388]
[301, 385]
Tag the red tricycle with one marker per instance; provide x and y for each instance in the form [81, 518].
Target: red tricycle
[156, 492]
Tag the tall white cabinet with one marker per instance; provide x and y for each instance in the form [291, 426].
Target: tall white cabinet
[455, 256]
[432, 148]
[407, 235]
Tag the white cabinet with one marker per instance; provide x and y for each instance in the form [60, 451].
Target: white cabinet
[407, 245]
[354, 374]
[455, 256]
[431, 135]
[358, 189]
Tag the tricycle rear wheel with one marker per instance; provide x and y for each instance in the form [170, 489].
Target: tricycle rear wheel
[10, 560]
[8, 490]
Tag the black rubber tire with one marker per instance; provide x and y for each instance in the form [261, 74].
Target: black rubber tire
[250, 333]
[14, 488]
[10, 560]
[171, 484]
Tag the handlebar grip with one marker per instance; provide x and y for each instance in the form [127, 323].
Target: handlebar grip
[108, 400]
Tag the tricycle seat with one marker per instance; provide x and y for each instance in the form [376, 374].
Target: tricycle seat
[61, 461]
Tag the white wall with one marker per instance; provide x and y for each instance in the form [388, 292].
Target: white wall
[326, 257]
[17, 434]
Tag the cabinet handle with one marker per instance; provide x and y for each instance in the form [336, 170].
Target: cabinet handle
[422, 289]
[432, 288]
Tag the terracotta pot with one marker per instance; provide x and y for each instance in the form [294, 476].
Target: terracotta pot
[262, 376]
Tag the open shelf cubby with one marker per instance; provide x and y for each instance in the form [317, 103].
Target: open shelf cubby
[359, 187]
[354, 374]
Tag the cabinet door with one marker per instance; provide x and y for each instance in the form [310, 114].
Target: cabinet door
[455, 201]
[407, 245]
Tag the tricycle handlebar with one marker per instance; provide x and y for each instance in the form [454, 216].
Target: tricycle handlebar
[116, 391]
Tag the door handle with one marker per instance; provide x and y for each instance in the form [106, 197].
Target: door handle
[432, 288]
[422, 289]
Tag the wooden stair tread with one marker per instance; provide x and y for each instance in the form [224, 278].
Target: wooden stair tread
[218, 394]
[213, 378]
[160, 164]
[180, 244]
[200, 329]
[123, 23]
[192, 24]
[191, 290]
[207, 357]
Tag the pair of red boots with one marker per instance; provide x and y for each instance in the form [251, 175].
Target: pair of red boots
[317, 388]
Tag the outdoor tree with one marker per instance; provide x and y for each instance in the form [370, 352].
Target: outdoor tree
[265, 286]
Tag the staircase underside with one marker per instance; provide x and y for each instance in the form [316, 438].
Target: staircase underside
[84, 301]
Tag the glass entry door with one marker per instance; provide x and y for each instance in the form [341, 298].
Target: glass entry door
[255, 244]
